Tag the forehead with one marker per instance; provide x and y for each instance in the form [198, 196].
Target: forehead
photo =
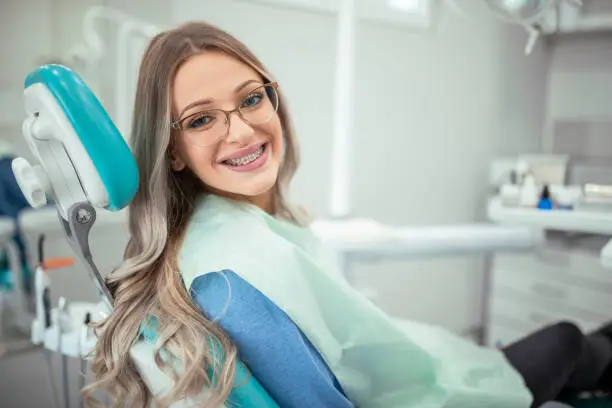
[211, 74]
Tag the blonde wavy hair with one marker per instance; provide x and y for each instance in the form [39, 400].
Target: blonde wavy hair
[148, 282]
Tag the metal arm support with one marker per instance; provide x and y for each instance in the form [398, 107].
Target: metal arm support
[81, 218]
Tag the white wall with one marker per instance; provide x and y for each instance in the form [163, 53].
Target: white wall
[579, 106]
[580, 87]
[581, 77]
[462, 94]
[35, 32]
[27, 34]
[432, 108]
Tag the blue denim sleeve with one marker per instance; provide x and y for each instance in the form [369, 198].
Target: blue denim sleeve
[268, 342]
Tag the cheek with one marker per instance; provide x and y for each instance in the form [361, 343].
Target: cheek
[276, 131]
[200, 160]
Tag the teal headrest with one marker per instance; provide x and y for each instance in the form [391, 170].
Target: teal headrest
[107, 149]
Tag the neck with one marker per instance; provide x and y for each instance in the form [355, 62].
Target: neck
[264, 201]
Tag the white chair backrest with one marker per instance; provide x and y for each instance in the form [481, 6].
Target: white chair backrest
[158, 383]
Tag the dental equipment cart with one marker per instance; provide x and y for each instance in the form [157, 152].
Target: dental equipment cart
[568, 277]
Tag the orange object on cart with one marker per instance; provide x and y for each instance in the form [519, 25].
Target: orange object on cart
[57, 263]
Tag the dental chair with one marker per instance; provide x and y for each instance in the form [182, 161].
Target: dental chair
[84, 165]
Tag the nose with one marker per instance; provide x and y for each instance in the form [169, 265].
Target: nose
[238, 130]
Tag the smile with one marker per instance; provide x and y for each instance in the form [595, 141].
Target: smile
[246, 159]
[248, 162]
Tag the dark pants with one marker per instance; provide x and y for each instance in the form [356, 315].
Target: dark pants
[560, 360]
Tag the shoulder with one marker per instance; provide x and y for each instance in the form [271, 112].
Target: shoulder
[223, 293]
[240, 309]
[220, 235]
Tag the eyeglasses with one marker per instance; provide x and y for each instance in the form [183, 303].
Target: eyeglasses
[207, 127]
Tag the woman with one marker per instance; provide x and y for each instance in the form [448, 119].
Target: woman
[219, 256]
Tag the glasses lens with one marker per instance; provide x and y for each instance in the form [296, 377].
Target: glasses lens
[205, 128]
[260, 105]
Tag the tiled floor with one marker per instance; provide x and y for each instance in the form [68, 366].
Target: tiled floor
[26, 379]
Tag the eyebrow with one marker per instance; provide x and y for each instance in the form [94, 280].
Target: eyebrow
[208, 101]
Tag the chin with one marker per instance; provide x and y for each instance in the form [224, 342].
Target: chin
[246, 184]
[257, 186]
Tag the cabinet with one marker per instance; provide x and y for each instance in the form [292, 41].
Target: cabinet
[551, 284]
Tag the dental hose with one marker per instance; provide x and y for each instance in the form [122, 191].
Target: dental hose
[46, 301]
[83, 340]
[62, 314]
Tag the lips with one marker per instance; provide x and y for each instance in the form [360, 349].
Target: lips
[242, 153]
[244, 160]
[252, 162]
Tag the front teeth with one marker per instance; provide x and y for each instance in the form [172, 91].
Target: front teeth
[246, 159]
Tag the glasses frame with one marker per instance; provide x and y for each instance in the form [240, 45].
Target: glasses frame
[176, 125]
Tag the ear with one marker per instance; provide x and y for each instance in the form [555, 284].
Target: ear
[177, 163]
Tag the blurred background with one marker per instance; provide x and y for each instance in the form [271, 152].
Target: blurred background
[448, 111]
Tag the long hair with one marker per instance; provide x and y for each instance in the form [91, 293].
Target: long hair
[148, 282]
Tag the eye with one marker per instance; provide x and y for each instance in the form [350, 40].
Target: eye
[252, 100]
[201, 120]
